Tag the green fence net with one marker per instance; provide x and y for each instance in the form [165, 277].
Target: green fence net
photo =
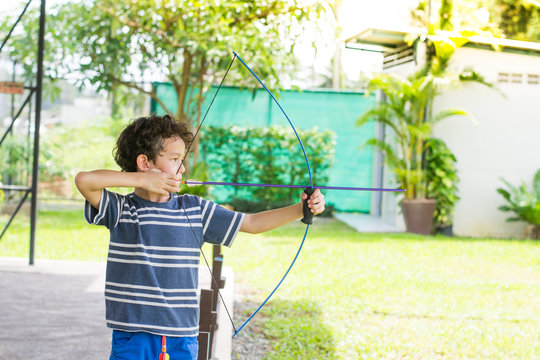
[335, 111]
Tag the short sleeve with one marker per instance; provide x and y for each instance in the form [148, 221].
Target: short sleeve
[220, 225]
[109, 210]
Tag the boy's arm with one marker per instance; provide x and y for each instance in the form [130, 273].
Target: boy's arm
[92, 183]
[271, 219]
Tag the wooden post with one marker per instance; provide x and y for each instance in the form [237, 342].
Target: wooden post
[217, 266]
[208, 307]
[216, 251]
[207, 321]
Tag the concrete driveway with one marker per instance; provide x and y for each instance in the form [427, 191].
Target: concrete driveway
[56, 310]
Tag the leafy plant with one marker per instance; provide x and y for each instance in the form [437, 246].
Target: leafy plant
[17, 150]
[442, 181]
[17, 153]
[51, 151]
[524, 203]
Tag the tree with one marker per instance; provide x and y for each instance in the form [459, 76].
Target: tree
[335, 6]
[127, 43]
[518, 19]
[514, 19]
[445, 15]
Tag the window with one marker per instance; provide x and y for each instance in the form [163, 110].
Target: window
[517, 78]
[504, 77]
[533, 79]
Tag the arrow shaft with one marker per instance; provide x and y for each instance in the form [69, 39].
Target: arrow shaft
[286, 186]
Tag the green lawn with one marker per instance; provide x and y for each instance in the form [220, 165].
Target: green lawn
[361, 296]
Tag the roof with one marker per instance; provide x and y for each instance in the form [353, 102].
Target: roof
[390, 39]
[385, 39]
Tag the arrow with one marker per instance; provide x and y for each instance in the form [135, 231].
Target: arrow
[193, 183]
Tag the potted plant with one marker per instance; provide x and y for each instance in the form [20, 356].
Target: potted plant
[407, 113]
[524, 203]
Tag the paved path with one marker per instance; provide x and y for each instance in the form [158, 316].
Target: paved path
[52, 312]
[366, 223]
[56, 310]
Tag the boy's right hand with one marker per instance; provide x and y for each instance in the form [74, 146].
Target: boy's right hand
[158, 182]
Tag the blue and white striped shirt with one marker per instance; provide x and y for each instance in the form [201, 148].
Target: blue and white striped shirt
[152, 265]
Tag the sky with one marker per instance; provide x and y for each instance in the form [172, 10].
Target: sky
[355, 12]
[355, 16]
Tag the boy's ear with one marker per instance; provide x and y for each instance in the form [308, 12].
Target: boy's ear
[143, 164]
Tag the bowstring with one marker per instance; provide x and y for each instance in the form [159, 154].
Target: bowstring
[200, 243]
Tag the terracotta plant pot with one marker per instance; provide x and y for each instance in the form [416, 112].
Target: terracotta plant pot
[418, 214]
[532, 232]
[58, 186]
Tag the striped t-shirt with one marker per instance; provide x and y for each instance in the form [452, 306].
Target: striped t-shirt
[152, 265]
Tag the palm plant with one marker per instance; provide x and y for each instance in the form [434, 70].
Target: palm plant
[407, 112]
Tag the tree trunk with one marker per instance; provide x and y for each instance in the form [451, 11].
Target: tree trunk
[336, 67]
[181, 91]
[533, 231]
[200, 98]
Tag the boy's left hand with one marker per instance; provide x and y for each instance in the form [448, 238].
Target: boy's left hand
[316, 201]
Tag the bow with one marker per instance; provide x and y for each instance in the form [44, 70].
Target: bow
[308, 216]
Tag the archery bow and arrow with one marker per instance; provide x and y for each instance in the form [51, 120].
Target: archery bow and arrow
[193, 183]
[309, 189]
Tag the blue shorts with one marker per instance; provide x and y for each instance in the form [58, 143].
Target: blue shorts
[146, 346]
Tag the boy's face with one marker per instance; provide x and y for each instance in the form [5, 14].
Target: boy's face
[170, 157]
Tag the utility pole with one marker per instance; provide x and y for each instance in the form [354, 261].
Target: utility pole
[35, 168]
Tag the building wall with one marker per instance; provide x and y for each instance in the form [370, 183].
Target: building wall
[504, 142]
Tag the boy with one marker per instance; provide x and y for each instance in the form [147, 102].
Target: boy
[155, 238]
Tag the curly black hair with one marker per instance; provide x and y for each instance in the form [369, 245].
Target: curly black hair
[146, 136]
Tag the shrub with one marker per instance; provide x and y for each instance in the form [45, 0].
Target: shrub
[268, 155]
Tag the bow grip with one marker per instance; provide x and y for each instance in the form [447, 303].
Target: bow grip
[308, 215]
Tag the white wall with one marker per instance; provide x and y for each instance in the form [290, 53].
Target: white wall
[505, 143]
